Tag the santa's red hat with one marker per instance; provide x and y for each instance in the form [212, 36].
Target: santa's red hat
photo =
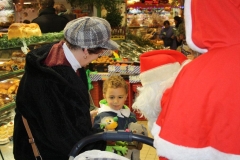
[159, 65]
[159, 69]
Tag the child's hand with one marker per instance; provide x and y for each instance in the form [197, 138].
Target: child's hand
[190, 56]
[139, 145]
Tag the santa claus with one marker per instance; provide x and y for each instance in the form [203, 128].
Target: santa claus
[194, 109]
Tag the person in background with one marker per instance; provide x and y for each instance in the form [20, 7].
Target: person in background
[180, 30]
[47, 19]
[115, 92]
[61, 10]
[53, 92]
[167, 35]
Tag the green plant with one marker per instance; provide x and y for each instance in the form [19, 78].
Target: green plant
[113, 16]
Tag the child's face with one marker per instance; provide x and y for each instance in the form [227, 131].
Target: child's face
[115, 97]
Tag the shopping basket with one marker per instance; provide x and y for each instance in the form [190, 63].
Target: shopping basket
[109, 136]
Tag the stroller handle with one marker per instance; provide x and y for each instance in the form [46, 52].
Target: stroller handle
[110, 136]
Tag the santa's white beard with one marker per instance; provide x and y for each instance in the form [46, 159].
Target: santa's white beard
[149, 99]
[148, 102]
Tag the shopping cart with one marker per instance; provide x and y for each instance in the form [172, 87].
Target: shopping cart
[109, 136]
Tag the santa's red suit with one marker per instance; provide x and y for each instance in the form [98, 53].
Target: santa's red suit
[199, 111]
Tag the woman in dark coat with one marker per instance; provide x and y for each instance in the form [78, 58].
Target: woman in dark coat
[53, 92]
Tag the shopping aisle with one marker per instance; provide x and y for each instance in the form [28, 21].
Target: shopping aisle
[7, 151]
[147, 152]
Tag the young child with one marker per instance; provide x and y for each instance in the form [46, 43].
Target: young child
[115, 92]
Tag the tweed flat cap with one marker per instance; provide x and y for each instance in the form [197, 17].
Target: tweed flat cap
[90, 32]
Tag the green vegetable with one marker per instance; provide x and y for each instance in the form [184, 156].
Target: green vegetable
[17, 42]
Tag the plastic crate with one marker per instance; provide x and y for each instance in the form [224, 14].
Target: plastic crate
[117, 69]
[96, 92]
[133, 69]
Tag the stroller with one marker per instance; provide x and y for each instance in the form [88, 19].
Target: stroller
[109, 136]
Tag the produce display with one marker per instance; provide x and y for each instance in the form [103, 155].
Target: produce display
[8, 89]
[101, 64]
[132, 50]
[104, 59]
[16, 62]
[18, 42]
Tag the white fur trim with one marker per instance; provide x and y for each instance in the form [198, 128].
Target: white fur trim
[184, 63]
[188, 26]
[160, 73]
[148, 101]
[176, 152]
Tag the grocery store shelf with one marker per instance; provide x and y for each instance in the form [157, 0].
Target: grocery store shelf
[6, 74]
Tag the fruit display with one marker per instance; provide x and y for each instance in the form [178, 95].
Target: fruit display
[101, 64]
[104, 59]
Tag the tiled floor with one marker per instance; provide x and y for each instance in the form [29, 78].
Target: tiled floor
[6, 150]
[147, 152]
